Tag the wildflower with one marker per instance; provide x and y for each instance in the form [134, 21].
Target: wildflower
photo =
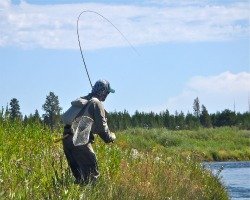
[134, 153]
[157, 159]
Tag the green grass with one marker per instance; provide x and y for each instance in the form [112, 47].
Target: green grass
[218, 144]
[142, 164]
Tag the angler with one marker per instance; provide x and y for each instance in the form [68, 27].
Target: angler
[85, 117]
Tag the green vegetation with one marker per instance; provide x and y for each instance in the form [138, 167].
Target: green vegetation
[142, 164]
[217, 144]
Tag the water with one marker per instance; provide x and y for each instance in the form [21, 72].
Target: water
[235, 176]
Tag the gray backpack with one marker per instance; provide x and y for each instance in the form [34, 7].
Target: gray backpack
[81, 123]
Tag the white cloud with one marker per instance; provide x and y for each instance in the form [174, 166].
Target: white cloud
[226, 82]
[215, 92]
[54, 26]
[4, 4]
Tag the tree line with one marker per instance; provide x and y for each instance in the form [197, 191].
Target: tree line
[123, 120]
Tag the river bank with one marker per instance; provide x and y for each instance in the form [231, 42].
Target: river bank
[219, 144]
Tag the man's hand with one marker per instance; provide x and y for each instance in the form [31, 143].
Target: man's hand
[112, 136]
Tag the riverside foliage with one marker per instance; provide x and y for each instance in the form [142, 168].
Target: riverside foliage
[142, 164]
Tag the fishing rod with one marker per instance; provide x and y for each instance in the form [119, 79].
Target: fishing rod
[79, 42]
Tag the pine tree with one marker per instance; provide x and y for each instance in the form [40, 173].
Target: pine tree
[15, 109]
[2, 113]
[25, 120]
[172, 122]
[52, 110]
[226, 118]
[136, 119]
[166, 119]
[196, 107]
[36, 116]
[205, 118]
[180, 120]
[7, 112]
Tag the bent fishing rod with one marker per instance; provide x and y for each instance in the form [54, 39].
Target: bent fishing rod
[79, 42]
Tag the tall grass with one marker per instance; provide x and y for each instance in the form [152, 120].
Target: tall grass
[137, 166]
[202, 145]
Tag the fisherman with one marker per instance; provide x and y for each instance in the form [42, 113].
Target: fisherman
[81, 158]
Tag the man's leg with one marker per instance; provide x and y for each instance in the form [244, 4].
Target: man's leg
[87, 162]
[67, 147]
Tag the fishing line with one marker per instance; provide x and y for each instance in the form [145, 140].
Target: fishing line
[79, 42]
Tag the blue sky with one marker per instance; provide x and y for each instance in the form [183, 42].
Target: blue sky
[186, 49]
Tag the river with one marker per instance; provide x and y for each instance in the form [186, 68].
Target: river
[235, 176]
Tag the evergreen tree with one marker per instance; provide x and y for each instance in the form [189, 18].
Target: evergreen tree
[36, 116]
[2, 113]
[113, 121]
[226, 118]
[25, 120]
[127, 120]
[196, 107]
[245, 120]
[52, 110]
[136, 119]
[166, 119]
[159, 120]
[15, 109]
[180, 120]
[214, 119]
[7, 112]
[151, 120]
[205, 117]
[172, 124]
[191, 121]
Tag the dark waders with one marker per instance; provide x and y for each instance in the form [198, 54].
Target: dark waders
[81, 159]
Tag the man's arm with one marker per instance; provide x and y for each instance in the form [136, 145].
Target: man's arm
[100, 121]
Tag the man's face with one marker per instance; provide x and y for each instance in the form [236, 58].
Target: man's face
[103, 98]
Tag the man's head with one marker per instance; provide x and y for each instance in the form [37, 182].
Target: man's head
[101, 89]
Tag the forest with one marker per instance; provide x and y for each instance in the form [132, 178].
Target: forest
[122, 120]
